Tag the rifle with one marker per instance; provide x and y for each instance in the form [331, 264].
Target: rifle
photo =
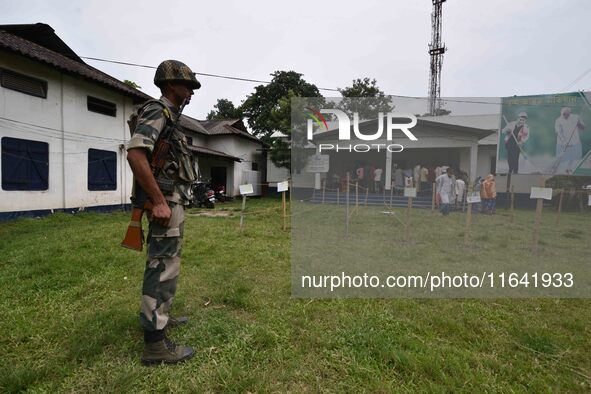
[134, 237]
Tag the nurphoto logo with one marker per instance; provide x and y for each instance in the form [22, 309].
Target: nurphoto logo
[344, 122]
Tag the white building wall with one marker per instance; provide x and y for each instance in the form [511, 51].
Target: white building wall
[485, 154]
[64, 122]
[248, 151]
[276, 174]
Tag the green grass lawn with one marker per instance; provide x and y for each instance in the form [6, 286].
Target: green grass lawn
[69, 304]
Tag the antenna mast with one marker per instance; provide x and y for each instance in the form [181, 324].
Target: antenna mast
[436, 51]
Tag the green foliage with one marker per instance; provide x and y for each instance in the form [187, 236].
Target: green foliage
[264, 109]
[364, 97]
[224, 110]
[268, 110]
[132, 84]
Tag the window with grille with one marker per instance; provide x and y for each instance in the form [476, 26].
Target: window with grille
[25, 164]
[23, 83]
[102, 170]
[101, 106]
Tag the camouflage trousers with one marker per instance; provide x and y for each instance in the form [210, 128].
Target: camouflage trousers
[162, 270]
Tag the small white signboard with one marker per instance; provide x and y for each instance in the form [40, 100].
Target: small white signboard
[317, 163]
[410, 192]
[541, 192]
[246, 189]
[283, 186]
[473, 198]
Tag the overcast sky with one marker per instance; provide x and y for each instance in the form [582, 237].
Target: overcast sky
[495, 47]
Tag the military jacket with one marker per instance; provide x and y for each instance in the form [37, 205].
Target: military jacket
[179, 167]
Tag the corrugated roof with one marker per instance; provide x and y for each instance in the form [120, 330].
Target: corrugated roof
[21, 46]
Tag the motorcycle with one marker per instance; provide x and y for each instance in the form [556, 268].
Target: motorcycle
[220, 194]
[203, 195]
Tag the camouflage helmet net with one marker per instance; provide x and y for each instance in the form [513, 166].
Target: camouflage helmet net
[175, 71]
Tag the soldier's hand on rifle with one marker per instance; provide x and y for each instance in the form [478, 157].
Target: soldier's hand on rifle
[161, 213]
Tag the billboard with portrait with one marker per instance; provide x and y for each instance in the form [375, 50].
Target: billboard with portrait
[546, 134]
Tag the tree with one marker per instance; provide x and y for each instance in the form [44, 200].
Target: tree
[132, 84]
[365, 98]
[224, 109]
[290, 152]
[259, 106]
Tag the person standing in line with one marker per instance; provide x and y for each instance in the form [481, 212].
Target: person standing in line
[398, 178]
[438, 172]
[460, 190]
[445, 189]
[377, 179]
[490, 188]
[483, 198]
[477, 186]
[424, 179]
[360, 175]
[417, 176]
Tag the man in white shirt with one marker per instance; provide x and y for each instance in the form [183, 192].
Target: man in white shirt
[377, 179]
[568, 143]
[445, 187]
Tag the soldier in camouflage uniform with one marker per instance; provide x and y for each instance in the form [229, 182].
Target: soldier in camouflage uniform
[169, 193]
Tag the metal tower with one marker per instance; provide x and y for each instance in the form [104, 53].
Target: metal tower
[436, 51]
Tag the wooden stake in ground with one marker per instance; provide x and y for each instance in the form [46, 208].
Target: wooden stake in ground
[433, 198]
[468, 221]
[366, 194]
[323, 190]
[283, 206]
[464, 197]
[559, 208]
[347, 209]
[391, 192]
[508, 187]
[539, 206]
[512, 204]
[242, 211]
[356, 196]
[407, 230]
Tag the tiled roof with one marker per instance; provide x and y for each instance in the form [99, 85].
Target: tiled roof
[193, 124]
[212, 152]
[217, 127]
[21, 46]
[228, 127]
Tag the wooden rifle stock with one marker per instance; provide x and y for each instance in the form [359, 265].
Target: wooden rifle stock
[134, 237]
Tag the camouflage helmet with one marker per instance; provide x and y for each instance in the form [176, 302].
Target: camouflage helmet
[175, 71]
